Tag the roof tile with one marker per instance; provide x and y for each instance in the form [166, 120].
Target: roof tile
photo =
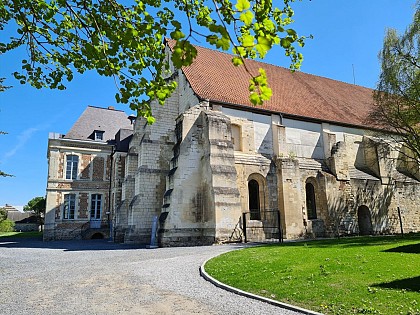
[97, 118]
[213, 76]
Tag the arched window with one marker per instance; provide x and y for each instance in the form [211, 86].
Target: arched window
[236, 137]
[310, 201]
[254, 200]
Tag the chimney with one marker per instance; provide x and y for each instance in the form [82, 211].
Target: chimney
[132, 118]
[111, 107]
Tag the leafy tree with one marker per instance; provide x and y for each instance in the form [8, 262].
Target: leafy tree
[2, 89]
[397, 96]
[3, 214]
[6, 225]
[37, 205]
[124, 39]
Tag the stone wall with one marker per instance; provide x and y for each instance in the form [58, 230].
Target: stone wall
[201, 203]
[154, 151]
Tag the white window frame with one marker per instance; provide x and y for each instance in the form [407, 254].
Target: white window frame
[99, 135]
[72, 166]
[69, 200]
[95, 207]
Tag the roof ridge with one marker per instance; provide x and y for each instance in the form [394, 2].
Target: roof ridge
[107, 108]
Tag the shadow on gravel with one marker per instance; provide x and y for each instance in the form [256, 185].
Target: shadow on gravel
[72, 245]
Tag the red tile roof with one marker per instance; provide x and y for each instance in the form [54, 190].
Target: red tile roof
[213, 76]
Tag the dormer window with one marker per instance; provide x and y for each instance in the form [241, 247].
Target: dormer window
[99, 135]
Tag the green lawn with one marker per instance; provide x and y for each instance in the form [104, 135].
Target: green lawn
[20, 234]
[362, 275]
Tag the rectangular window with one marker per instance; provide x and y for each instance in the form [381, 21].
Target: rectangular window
[178, 131]
[71, 166]
[95, 207]
[69, 207]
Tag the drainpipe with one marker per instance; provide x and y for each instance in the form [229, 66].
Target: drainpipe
[110, 191]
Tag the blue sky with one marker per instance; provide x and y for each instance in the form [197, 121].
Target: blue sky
[346, 34]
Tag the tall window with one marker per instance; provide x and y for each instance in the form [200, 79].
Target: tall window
[310, 201]
[71, 167]
[95, 207]
[69, 206]
[254, 200]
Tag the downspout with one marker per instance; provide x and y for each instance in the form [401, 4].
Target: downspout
[110, 192]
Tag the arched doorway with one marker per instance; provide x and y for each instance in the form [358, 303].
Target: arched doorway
[254, 200]
[364, 220]
[97, 236]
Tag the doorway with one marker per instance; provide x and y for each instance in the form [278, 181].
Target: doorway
[364, 220]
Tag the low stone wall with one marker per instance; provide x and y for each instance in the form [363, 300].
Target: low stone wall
[27, 227]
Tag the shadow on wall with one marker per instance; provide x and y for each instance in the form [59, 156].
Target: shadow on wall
[368, 199]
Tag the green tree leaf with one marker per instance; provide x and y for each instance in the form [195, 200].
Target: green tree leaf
[242, 5]
[247, 17]
[125, 40]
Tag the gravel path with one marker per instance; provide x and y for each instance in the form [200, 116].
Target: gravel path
[97, 277]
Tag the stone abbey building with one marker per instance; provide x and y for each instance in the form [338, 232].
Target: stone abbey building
[212, 162]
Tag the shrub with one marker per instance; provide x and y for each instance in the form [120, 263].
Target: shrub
[7, 226]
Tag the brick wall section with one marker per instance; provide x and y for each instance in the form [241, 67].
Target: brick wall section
[98, 168]
[85, 166]
[84, 206]
[58, 206]
[61, 165]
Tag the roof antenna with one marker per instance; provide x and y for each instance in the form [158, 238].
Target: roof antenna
[354, 78]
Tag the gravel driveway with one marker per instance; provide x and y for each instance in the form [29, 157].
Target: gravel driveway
[98, 277]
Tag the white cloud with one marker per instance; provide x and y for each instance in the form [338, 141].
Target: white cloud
[21, 141]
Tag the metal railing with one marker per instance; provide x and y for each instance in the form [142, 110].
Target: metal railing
[270, 219]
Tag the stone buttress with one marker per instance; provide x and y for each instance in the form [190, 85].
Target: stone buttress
[201, 203]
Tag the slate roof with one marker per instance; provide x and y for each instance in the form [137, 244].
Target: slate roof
[213, 76]
[16, 216]
[94, 118]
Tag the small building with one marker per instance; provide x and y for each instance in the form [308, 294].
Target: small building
[25, 221]
[80, 190]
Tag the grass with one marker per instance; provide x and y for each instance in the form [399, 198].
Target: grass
[20, 234]
[362, 275]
